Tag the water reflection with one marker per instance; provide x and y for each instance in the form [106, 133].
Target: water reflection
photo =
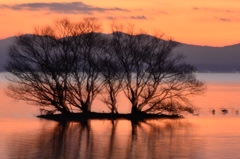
[118, 139]
[23, 136]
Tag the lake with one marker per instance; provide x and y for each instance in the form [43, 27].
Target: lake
[202, 136]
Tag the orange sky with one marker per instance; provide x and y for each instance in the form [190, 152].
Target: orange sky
[212, 22]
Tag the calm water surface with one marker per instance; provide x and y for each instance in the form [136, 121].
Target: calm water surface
[206, 136]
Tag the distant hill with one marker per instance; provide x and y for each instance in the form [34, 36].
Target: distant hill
[4, 45]
[213, 59]
[204, 58]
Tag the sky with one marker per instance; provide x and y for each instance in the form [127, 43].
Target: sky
[199, 22]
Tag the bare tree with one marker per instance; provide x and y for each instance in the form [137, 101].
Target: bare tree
[86, 81]
[55, 68]
[64, 68]
[155, 80]
[112, 74]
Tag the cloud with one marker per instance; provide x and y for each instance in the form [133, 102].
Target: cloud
[111, 18]
[68, 8]
[215, 10]
[224, 19]
[196, 8]
[229, 14]
[139, 17]
[126, 17]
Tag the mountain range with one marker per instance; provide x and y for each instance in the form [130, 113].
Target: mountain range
[204, 58]
[212, 59]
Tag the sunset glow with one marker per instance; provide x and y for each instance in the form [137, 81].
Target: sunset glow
[214, 23]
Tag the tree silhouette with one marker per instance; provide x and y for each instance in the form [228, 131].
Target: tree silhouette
[64, 67]
[86, 81]
[54, 67]
[39, 71]
[155, 80]
[112, 75]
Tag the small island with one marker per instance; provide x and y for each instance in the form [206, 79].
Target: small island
[109, 116]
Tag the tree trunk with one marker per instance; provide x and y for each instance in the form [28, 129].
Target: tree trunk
[65, 111]
[135, 109]
[61, 108]
[85, 108]
[114, 103]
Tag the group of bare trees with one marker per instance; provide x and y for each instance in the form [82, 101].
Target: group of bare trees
[64, 67]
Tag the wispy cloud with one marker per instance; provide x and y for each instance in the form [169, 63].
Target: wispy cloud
[139, 17]
[224, 19]
[215, 10]
[127, 17]
[196, 8]
[68, 8]
[223, 15]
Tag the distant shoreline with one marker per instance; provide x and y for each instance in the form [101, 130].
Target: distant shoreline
[108, 116]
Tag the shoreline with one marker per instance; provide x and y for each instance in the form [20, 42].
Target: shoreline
[107, 116]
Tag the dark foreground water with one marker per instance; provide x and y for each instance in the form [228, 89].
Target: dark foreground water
[206, 136]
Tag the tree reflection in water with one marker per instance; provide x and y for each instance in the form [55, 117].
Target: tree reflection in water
[118, 139]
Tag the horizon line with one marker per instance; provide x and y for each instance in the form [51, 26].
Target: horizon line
[215, 46]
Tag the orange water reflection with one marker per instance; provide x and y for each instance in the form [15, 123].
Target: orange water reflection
[219, 96]
[104, 139]
[22, 135]
[195, 138]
